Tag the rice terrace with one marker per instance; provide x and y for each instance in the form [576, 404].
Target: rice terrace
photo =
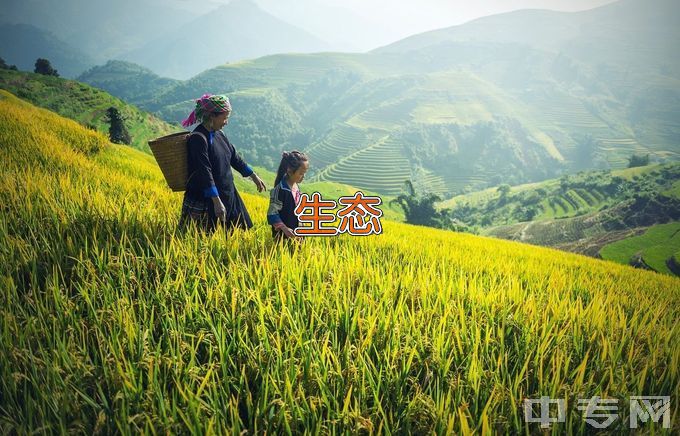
[525, 278]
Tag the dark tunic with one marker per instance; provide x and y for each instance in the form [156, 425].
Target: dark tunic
[282, 206]
[209, 174]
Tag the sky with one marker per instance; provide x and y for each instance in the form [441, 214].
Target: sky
[366, 24]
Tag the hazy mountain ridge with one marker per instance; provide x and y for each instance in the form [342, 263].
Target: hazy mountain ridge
[341, 27]
[627, 31]
[23, 44]
[238, 30]
[99, 28]
[176, 42]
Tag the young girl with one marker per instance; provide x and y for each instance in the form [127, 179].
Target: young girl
[286, 195]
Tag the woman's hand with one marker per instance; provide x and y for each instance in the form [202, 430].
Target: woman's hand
[220, 210]
[258, 182]
[288, 232]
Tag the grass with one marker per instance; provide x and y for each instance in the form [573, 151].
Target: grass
[111, 321]
[657, 246]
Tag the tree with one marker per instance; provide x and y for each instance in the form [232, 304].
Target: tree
[638, 160]
[43, 66]
[565, 183]
[525, 213]
[5, 66]
[503, 190]
[118, 133]
[419, 209]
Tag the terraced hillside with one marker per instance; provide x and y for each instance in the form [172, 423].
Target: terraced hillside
[341, 141]
[380, 167]
[128, 81]
[458, 122]
[571, 195]
[588, 130]
[113, 321]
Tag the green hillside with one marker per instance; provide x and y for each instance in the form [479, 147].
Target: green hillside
[112, 321]
[435, 122]
[654, 249]
[126, 80]
[84, 104]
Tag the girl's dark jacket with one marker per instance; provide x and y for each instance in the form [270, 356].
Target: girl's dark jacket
[282, 208]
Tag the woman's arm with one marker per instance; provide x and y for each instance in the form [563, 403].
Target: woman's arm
[242, 167]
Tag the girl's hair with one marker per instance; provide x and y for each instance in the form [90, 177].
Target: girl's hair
[289, 160]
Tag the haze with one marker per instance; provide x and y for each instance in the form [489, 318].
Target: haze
[366, 24]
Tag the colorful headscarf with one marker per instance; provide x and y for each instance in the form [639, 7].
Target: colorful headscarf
[205, 106]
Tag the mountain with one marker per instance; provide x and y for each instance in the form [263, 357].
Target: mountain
[335, 105]
[101, 29]
[137, 327]
[84, 104]
[23, 44]
[237, 30]
[459, 116]
[169, 43]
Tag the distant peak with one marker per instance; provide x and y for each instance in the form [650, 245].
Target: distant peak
[239, 6]
[243, 4]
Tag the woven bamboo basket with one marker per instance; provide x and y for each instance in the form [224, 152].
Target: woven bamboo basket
[171, 154]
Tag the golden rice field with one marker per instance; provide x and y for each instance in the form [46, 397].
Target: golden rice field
[112, 322]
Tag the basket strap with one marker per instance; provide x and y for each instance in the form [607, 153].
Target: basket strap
[207, 143]
[202, 136]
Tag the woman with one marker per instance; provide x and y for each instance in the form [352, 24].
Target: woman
[211, 197]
